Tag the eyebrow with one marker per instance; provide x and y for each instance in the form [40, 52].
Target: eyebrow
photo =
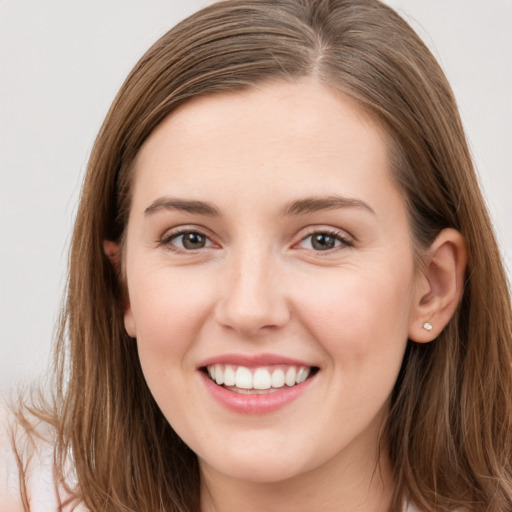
[168, 203]
[298, 207]
[315, 204]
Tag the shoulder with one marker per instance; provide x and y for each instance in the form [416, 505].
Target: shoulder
[27, 468]
[411, 507]
[10, 497]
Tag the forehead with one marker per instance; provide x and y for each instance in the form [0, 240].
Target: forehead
[287, 137]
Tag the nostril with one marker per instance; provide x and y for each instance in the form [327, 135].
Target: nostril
[252, 306]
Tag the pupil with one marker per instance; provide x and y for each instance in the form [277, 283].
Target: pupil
[193, 241]
[323, 242]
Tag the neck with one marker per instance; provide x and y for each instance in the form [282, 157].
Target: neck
[343, 484]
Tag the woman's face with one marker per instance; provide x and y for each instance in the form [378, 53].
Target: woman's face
[268, 243]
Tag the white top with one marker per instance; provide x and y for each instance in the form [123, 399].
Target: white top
[35, 452]
[44, 493]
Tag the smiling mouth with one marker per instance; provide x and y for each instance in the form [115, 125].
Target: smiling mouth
[258, 380]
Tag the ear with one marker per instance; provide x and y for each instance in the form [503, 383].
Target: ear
[111, 250]
[440, 286]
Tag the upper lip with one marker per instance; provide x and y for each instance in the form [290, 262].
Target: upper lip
[253, 360]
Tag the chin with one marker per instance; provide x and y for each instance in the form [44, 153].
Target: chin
[265, 470]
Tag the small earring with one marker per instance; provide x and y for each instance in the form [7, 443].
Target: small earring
[427, 326]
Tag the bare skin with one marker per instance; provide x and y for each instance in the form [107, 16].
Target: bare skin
[266, 224]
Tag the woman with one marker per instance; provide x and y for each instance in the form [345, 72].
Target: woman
[284, 289]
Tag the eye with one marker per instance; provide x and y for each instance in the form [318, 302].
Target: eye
[324, 241]
[187, 241]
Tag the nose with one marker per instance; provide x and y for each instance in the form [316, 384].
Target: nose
[253, 295]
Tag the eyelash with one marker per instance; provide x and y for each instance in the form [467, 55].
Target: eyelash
[167, 240]
[336, 235]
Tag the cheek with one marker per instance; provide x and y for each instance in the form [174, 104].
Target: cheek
[167, 309]
[360, 317]
[168, 312]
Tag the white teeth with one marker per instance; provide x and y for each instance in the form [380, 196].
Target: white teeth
[302, 375]
[290, 376]
[219, 374]
[263, 378]
[278, 378]
[243, 378]
[229, 376]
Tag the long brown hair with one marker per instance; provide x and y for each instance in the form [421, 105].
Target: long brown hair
[449, 432]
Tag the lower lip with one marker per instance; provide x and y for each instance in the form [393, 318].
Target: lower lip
[255, 404]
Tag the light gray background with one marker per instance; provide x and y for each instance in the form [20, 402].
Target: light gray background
[61, 63]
